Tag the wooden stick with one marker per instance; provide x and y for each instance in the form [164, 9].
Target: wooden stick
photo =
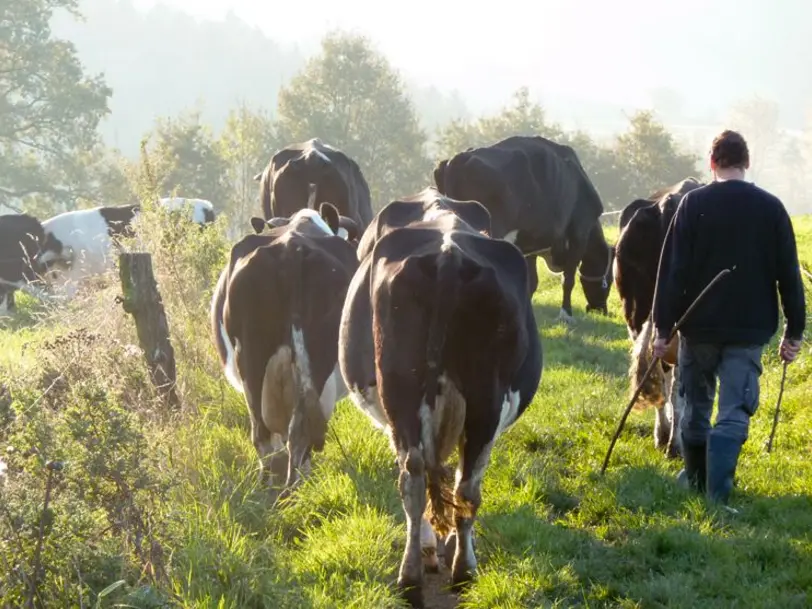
[777, 408]
[654, 361]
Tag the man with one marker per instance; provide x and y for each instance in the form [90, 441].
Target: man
[733, 224]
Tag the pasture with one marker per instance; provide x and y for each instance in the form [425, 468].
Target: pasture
[163, 509]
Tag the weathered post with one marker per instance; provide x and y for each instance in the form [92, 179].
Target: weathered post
[141, 299]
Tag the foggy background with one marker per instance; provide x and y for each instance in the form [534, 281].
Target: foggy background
[699, 66]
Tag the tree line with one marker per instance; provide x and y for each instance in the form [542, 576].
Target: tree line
[52, 158]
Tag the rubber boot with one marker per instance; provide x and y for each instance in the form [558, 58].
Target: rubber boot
[723, 455]
[694, 474]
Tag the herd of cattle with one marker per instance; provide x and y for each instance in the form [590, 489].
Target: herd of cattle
[421, 313]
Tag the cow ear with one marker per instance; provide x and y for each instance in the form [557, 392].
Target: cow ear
[258, 224]
[329, 214]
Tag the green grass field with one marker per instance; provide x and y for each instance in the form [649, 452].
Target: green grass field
[551, 532]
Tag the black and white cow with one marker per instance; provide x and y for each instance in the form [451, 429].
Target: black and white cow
[637, 258]
[21, 237]
[81, 243]
[202, 210]
[274, 316]
[540, 198]
[338, 180]
[438, 346]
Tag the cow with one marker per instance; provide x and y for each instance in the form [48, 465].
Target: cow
[274, 317]
[629, 211]
[21, 236]
[540, 198]
[81, 243]
[637, 258]
[637, 251]
[202, 209]
[338, 180]
[438, 347]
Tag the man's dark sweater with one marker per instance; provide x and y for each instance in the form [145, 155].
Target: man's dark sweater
[722, 225]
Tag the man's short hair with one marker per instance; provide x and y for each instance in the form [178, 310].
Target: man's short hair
[729, 150]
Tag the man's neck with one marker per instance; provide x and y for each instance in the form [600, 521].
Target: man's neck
[723, 175]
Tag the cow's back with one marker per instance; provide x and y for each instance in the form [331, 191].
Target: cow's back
[295, 283]
[345, 176]
[527, 182]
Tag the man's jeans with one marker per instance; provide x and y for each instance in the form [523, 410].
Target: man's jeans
[738, 368]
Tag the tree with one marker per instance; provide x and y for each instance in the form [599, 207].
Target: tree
[185, 160]
[246, 145]
[351, 98]
[757, 120]
[521, 117]
[650, 158]
[604, 168]
[49, 109]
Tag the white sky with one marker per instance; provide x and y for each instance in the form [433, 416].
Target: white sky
[607, 50]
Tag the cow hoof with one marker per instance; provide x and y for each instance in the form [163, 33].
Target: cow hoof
[449, 545]
[460, 579]
[412, 593]
[565, 318]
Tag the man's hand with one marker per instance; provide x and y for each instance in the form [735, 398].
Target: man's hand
[660, 347]
[789, 349]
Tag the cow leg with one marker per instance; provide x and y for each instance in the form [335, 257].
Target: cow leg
[676, 401]
[412, 486]
[475, 453]
[662, 427]
[532, 273]
[663, 420]
[567, 284]
[428, 547]
[260, 435]
[254, 369]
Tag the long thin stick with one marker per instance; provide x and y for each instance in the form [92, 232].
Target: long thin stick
[654, 361]
[777, 408]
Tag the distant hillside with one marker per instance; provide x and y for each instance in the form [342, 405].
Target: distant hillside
[162, 61]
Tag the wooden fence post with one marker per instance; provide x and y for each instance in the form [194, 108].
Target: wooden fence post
[141, 299]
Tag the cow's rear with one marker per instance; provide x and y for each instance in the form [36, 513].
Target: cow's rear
[457, 359]
[275, 316]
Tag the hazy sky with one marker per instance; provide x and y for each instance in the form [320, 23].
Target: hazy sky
[609, 51]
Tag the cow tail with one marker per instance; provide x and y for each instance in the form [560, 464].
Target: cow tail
[439, 480]
[307, 420]
[653, 392]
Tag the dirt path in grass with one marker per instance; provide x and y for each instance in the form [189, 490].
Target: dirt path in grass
[436, 593]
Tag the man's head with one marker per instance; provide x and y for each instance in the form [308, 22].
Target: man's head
[729, 155]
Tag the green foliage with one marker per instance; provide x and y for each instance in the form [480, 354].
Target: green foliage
[521, 117]
[246, 144]
[651, 157]
[49, 109]
[186, 160]
[99, 515]
[351, 98]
